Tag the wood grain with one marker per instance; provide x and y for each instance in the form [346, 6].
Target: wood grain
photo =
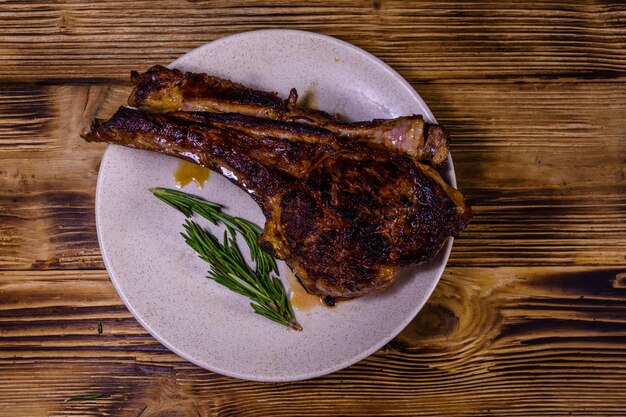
[97, 42]
[547, 180]
[530, 316]
[500, 341]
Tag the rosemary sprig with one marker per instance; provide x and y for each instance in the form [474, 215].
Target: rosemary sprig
[228, 266]
[189, 204]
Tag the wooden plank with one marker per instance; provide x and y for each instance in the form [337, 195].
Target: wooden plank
[547, 180]
[511, 341]
[529, 318]
[544, 166]
[97, 42]
[47, 178]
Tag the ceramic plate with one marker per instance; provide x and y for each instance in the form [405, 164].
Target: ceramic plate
[164, 284]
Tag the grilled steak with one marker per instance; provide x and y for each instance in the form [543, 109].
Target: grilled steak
[343, 214]
[164, 90]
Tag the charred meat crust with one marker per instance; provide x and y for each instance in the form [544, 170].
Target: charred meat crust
[258, 127]
[163, 90]
[344, 217]
[159, 83]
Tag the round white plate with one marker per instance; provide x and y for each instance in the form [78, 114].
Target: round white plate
[164, 284]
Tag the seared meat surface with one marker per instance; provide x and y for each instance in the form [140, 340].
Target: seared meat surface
[344, 215]
[164, 90]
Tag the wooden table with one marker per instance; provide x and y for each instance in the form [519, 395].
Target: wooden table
[530, 316]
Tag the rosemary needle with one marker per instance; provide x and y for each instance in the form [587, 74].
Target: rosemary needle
[227, 264]
[83, 397]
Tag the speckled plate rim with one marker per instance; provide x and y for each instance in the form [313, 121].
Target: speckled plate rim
[443, 254]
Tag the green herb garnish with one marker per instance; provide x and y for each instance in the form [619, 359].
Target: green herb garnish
[228, 267]
[84, 397]
[99, 328]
